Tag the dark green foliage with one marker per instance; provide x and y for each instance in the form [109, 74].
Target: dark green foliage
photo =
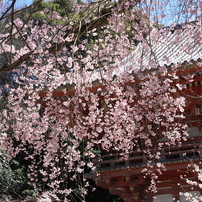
[45, 8]
[14, 182]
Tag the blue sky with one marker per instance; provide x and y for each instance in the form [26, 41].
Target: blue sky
[165, 21]
[19, 3]
[23, 2]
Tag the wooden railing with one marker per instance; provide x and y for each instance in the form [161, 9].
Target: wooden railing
[185, 153]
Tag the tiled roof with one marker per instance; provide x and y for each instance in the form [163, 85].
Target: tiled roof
[172, 47]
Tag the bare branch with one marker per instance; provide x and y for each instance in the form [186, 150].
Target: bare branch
[4, 16]
[8, 9]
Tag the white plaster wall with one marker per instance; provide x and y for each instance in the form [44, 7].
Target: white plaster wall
[163, 198]
[195, 194]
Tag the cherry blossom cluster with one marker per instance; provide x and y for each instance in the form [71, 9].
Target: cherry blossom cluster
[102, 107]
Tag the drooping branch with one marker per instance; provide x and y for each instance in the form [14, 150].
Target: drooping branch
[100, 21]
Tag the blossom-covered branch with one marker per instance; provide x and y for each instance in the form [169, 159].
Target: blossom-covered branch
[80, 28]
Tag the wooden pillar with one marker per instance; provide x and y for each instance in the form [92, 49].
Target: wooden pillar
[175, 187]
